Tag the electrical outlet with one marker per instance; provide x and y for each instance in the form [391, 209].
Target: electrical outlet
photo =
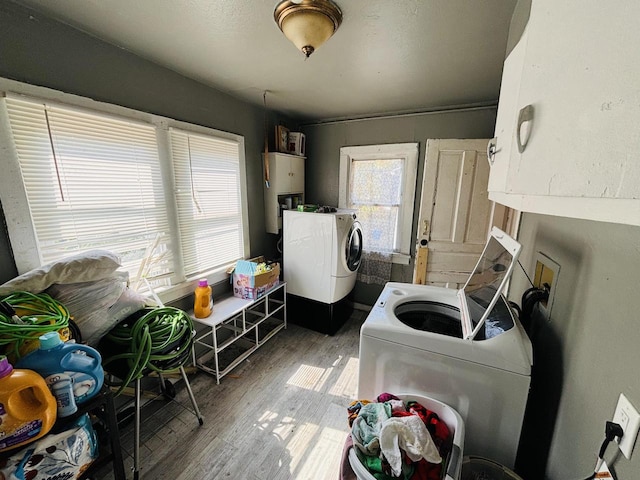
[629, 419]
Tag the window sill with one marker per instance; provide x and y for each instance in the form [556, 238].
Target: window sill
[401, 258]
[181, 290]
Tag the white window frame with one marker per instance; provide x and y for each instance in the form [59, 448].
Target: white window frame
[409, 153]
[14, 199]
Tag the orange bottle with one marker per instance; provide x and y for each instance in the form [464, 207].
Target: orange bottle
[203, 304]
[27, 407]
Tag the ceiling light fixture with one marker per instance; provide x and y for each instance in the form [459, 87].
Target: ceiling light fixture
[308, 23]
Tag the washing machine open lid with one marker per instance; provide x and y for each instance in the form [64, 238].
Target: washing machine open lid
[487, 280]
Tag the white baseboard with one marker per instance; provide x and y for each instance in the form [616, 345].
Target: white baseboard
[362, 306]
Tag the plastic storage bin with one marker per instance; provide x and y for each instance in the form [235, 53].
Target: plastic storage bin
[478, 468]
[453, 420]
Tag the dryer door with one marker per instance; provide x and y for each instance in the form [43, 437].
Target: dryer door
[354, 247]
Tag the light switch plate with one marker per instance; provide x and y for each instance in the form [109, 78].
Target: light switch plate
[629, 419]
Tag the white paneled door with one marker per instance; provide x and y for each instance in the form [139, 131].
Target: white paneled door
[456, 214]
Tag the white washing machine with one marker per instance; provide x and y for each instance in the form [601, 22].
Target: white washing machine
[320, 257]
[464, 348]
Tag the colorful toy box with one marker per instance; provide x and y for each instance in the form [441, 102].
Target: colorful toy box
[251, 279]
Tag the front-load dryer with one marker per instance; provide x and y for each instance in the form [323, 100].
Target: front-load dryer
[464, 348]
[320, 258]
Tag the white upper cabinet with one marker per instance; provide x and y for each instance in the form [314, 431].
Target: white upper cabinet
[286, 187]
[287, 172]
[506, 119]
[573, 81]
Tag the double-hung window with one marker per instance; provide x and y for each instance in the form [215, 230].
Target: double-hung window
[378, 181]
[166, 196]
[207, 180]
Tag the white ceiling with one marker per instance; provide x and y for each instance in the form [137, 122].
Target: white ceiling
[388, 56]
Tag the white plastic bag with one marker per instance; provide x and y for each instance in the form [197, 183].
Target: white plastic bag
[54, 456]
[98, 306]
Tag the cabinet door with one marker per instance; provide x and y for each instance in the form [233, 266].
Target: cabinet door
[296, 168]
[582, 78]
[504, 142]
[288, 173]
[281, 173]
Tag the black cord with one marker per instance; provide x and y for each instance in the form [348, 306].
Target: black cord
[74, 331]
[529, 300]
[525, 273]
[531, 297]
[611, 431]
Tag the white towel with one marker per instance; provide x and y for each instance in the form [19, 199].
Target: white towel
[411, 435]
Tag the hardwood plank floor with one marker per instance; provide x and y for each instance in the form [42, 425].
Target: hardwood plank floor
[279, 415]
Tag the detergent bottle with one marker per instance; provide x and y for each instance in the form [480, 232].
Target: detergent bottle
[203, 304]
[27, 408]
[66, 366]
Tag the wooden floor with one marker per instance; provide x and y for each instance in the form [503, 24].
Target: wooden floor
[281, 414]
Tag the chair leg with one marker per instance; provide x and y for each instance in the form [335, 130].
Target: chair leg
[114, 436]
[191, 396]
[136, 433]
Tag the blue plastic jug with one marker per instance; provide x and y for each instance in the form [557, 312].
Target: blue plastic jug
[58, 362]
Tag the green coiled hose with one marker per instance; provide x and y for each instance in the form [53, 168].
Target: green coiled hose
[160, 341]
[39, 313]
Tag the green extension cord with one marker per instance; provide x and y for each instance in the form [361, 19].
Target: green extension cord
[157, 341]
[39, 313]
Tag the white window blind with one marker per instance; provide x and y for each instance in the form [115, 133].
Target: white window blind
[167, 196]
[207, 181]
[92, 181]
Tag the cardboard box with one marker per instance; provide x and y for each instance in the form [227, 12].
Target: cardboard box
[252, 287]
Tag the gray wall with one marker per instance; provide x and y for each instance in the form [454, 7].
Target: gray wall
[322, 168]
[588, 352]
[40, 51]
[7, 265]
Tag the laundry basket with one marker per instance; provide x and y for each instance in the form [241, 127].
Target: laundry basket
[450, 417]
[478, 468]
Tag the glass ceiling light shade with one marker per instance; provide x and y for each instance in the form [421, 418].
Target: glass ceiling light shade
[308, 23]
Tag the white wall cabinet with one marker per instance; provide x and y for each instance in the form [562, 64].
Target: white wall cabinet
[286, 179]
[577, 67]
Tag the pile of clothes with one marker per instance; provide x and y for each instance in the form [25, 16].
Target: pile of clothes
[395, 439]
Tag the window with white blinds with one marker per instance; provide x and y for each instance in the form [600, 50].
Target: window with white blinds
[207, 177]
[94, 180]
